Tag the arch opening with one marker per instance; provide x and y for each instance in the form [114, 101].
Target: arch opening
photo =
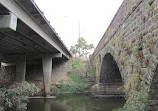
[109, 72]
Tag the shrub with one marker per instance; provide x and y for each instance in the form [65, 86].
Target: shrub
[138, 102]
[16, 97]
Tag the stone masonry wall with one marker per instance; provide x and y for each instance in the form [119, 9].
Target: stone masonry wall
[7, 75]
[132, 40]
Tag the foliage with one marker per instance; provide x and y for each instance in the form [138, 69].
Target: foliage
[73, 50]
[81, 48]
[137, 99]
[16, 97]
[77, 63]
[75, 85]
[138, 102]
[78, 79]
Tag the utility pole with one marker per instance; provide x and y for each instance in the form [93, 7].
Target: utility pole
[79, 34]
[79, 28]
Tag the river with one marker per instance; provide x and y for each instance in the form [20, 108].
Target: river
[75, 103]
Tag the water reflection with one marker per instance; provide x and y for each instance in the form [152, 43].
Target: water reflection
[47, 106]
[75, 103]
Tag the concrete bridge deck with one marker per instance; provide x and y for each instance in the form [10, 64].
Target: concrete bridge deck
[33, 35]
[29, 42]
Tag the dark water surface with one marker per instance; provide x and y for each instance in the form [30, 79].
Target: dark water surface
[75, 103]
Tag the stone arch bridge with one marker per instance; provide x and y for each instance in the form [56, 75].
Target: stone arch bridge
[127, 53]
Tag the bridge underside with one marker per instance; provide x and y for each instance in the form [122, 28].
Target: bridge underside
[22, 41]
[25, 47]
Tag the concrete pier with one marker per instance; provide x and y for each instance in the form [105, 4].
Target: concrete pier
[20, 70]
[47, 69]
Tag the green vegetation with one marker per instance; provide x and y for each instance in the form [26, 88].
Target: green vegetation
[81, 74]
[137, 99]
[137, 102]
[79, 79]
[81, 48]
[15, 98]
[74, 85]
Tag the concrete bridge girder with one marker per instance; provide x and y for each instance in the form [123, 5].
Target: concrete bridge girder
[50, 40]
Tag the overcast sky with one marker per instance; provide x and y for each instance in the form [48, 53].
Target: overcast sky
[94, 17]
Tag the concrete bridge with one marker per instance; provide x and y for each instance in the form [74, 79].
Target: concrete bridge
[28, 41]
[127, 54]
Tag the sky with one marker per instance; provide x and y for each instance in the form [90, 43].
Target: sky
[92, 16]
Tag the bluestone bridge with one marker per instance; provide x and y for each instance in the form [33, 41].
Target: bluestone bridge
[30, 49]
[127, 54]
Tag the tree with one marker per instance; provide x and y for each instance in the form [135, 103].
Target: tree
[73, 50]
[81, 48]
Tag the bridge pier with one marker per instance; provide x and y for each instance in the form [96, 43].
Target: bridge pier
[47, 70]
[20, 70]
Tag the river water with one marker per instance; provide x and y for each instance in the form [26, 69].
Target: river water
[75, 103]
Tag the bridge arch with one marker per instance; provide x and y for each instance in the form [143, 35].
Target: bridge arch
[109, 51]
[110, 75]
[109, 70]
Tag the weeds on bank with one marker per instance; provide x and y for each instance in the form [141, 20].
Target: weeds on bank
[72, 86]
[16, 97]
[138, 102]
[78, 79]
[137, 99]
